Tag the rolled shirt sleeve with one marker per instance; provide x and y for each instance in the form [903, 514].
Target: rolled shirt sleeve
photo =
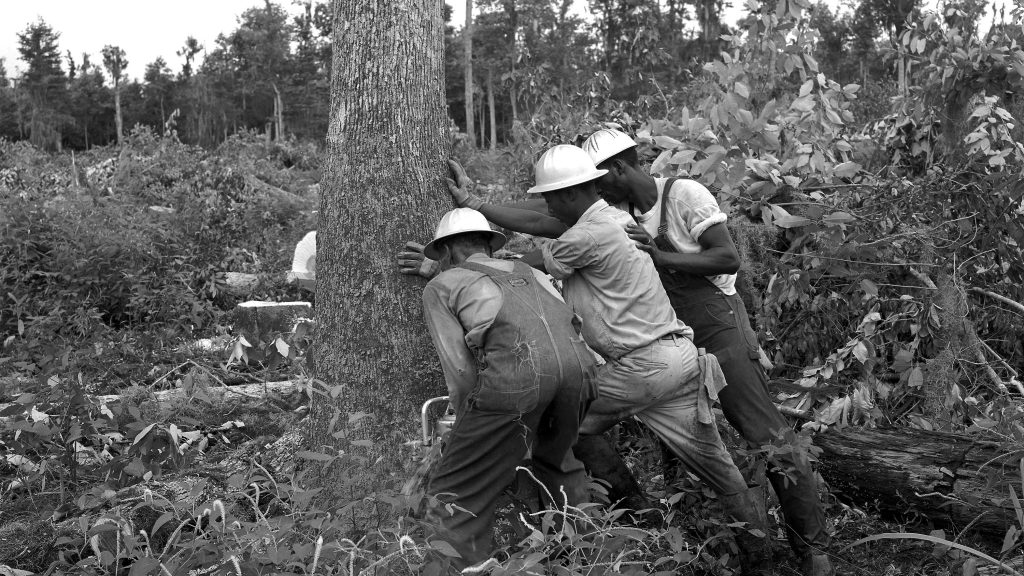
[696, 207]
[572, 250]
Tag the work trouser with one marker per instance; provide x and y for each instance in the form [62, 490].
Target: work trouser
[488, 441]
[721, 326]
[661, 385]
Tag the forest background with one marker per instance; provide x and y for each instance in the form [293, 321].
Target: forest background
[871, 162]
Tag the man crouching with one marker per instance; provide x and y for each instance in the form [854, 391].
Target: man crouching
[518, 375]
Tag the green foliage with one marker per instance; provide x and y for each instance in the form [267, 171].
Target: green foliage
[84, 266]
[850, 308]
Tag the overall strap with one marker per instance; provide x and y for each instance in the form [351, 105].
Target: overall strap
[661, 240]
[632, 213]
[663, 225]
[522, 268]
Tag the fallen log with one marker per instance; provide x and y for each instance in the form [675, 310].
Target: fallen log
[952, 479]
[165, 399]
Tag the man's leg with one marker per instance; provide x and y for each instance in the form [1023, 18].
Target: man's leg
[478, 462]
[626, 386]
[687, 426]
[605, 463]
[557, 432]
[721, 326]
[675, 418]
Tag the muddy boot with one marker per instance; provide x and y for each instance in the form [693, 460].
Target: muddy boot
[816, 565]
[755, 550]
[604, 463]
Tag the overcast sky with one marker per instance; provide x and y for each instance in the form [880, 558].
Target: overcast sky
[146, 29]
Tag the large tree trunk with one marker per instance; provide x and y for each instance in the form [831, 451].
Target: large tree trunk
[382, 184]
[467, 46]
[949, 478]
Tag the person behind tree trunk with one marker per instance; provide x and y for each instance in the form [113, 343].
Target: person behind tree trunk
[518, 374]
[679, 223]
[652, 370]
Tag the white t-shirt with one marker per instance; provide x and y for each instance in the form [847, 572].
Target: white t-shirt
[692, 209]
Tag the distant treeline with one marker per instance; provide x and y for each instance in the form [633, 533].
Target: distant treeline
[272, 73]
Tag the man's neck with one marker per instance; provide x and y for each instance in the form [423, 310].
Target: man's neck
[583, 207]
[644, 192]
[458, 258]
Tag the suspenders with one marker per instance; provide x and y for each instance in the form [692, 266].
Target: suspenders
[664, 245]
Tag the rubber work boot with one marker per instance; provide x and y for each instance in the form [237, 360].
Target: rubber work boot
[755, 550]
[603, 462]
[816, 565]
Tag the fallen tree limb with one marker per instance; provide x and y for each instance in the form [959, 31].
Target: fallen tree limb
[990, 372]
[923, 278]
[167, 398]
[951, 479]
[1011, 303]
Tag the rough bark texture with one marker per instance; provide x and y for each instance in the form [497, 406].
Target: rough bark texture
[467, 46]
[949, 478]
[382, 184]
[490, 107]
[118, 118]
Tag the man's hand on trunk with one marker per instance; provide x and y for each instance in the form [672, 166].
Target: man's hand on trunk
[411, 261]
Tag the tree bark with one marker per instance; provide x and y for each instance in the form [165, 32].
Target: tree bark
[387, 142]
[278, 114]
[118, 120]
[467, 46]
[483, 123]
[513, 25]
[949, 478]
[490, 106]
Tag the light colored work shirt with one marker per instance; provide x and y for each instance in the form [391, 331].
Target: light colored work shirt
[611, 284]
[459, 306]
[692, 209]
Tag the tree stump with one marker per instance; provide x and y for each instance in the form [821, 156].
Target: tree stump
[261, 323]
[951, 479]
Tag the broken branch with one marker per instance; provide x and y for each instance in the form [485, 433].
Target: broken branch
[1016, 305]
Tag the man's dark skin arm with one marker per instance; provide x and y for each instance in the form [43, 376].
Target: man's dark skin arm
[529, 217]
[718, 254]
[522, 220]
[534, 258]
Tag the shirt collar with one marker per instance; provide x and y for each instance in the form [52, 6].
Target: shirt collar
[478, 257]
[594, 209]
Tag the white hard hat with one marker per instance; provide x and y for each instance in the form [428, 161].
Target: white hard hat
[304, 260]
[460, 221]
[606, 143]
[561, 167]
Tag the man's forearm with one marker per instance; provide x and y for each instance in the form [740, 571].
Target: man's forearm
[706, 263]
[534, 258]
[527, 221]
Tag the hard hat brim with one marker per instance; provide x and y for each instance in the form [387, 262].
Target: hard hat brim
[578, 179]
[611, 151]
[430, 250]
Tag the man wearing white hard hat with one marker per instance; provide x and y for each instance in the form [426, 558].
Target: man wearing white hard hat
[518, 374]
[652, 369]
[679, 223]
